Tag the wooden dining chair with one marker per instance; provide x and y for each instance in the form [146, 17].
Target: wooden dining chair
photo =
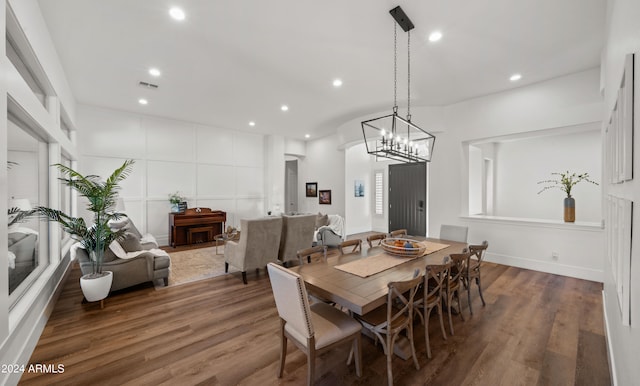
[313, 329]
[387, 321]
[398, 233]
[356, 246]
[435, 281]
[376, 237]
[454, 280]
[319, 251]
[473, 270]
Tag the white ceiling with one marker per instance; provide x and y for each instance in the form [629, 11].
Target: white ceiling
[231, 62]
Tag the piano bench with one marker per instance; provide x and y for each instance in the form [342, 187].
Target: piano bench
[194, 230]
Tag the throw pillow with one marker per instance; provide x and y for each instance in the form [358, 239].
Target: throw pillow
[117, 249]
[132, 228]
[130, 242]
[108, 255]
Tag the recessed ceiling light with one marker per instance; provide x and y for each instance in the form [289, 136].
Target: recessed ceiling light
[337, 82]
[154, 72]
[143, 101]
[515, 77]
[177, 13]
[307, 136]
[252, 123]
[435, 36]
[284, 107]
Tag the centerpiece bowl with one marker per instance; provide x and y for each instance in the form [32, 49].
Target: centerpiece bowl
[403, 247]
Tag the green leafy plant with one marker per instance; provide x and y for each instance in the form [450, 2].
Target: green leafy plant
[102, 196]
[16, 215]
[176, 198]
[565, 182]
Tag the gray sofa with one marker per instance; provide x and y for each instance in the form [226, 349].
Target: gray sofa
[147, 266]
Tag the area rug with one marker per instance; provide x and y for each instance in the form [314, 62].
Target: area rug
[195, 264]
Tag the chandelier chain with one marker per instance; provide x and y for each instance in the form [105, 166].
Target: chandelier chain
[395, 67]
[409, 76]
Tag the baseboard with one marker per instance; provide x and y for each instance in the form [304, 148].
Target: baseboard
[607, 336]
[549, 267]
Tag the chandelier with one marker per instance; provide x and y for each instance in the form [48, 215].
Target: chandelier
[392, 136]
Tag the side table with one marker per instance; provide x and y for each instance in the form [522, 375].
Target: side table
[224, 237]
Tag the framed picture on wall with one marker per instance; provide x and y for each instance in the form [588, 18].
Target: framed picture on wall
[311, 189]
[358, 188]
[325, 197]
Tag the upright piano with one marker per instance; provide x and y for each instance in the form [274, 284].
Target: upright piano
[195, 225]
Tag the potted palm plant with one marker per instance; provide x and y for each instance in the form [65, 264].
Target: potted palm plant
[565, 182]
[102, 196]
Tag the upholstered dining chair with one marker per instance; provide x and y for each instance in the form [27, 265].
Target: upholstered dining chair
[456, 270]
[398, 233]
[355, 245]
[473, 270]
[387, 321]
[296, 234]
[319, 251]
[435, 281]
[313, 329]
[454, 233]
[375, 238]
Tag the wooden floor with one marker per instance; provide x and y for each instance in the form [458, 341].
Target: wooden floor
[536, 329]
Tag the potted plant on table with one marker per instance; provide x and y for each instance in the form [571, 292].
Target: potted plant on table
[565, 182]
[95, 239]
[175, 199]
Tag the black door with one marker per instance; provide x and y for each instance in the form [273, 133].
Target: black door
[408, 197]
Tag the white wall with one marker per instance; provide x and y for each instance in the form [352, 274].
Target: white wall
[566, 101]
[358, 210]
[324, 163]
[476, 193]
[623, 38]
[213, 168]
[522, 163]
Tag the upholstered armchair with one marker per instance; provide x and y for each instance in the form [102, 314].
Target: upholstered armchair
[297, 234]
[333, 233]
[258, 245]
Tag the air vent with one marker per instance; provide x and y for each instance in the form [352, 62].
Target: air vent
[148, 85]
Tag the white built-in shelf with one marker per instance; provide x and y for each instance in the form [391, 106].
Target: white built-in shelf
[538, 223]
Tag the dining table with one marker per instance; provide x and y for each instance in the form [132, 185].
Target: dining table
[360, 294]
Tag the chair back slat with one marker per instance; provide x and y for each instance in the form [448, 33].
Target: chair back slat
[310, 253]
[479, 250]
[396, 297]
[371, 239]
[458, 266]
[398, 233]
[434, 280]
[356, 245]
[291, 299]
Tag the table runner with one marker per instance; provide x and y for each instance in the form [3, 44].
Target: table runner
[375, 264]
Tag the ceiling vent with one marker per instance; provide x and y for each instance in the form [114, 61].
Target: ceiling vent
[148, 85]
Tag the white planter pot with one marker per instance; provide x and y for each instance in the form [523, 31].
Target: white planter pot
[95, 289]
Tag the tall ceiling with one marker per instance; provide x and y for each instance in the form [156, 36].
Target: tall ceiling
[232, 62]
